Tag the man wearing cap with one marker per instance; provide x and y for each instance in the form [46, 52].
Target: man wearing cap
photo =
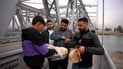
[87, 43]
[61, 37]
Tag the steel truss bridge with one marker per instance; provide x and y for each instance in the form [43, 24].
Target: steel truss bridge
[16, 15]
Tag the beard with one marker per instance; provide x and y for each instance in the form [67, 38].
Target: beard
[62, 29]
[81, 30]
[50, 28]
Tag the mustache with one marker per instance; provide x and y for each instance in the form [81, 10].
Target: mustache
[50, 28]
[62, 29]
[81, 29]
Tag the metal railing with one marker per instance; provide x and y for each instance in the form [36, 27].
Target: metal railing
[104, 61]
[12, 60]
[4, 40]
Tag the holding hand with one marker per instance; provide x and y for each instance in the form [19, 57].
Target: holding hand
[63, 37]
[81, 49]
[67, 40]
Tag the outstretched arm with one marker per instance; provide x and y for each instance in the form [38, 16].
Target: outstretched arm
[55, 36]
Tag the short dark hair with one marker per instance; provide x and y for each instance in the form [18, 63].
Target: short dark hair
[49, 21]
[38, 19]
[65, 21]
[83, 19]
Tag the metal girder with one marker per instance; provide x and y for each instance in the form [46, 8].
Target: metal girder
[51, 5]
[88, 5]
[16, 15]
[91, 26]
[25, 12]
[48, 6]
[71, 26]
[57, 12]
[75, 10]
[6, 13]
[92, 12]
[21, 19]
[31, 9]
[14, 25]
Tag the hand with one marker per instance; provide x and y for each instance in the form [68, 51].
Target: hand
[79, 41]
[54, 51]
[63, 37]
[67, 40]
[81, 49]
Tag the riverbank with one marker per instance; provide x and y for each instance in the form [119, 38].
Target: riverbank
[99, 32]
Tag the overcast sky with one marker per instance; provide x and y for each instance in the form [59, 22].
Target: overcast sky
[113, 11]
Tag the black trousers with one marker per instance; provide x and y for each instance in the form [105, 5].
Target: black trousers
[35, 62]
[60, 64]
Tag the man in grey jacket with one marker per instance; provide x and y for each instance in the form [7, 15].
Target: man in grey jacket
[87, 43]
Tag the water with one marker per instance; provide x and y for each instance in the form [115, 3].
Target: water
[113, 43]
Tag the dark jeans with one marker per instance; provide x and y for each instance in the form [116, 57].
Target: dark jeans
[75, 66]
[35, 62]
[60, 64]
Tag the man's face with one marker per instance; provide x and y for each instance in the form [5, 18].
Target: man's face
[49, 25]
[39, 26]
[63, 26]
[82, 25]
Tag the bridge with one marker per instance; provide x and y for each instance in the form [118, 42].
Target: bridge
[16, 15]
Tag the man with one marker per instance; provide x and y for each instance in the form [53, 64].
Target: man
[61, 36]
[34, 47]
[87, 43]
[46, 36]
[46, 33]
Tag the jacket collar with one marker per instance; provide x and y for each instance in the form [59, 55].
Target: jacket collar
[83, 32]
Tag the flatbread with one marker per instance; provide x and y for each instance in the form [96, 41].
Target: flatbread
[74, 56]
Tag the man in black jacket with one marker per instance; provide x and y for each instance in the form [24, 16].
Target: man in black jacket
[46, 33]
[46, 37]
[87, 43]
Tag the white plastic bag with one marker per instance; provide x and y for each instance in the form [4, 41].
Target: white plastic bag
[61, 52]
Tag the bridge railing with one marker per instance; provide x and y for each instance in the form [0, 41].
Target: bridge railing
[4, 40]
[104, 62]
[12, 60]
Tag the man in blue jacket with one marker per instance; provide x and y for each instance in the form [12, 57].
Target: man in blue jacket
[61, 37]
[34, 47]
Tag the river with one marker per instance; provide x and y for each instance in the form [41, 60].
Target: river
[113, 42]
